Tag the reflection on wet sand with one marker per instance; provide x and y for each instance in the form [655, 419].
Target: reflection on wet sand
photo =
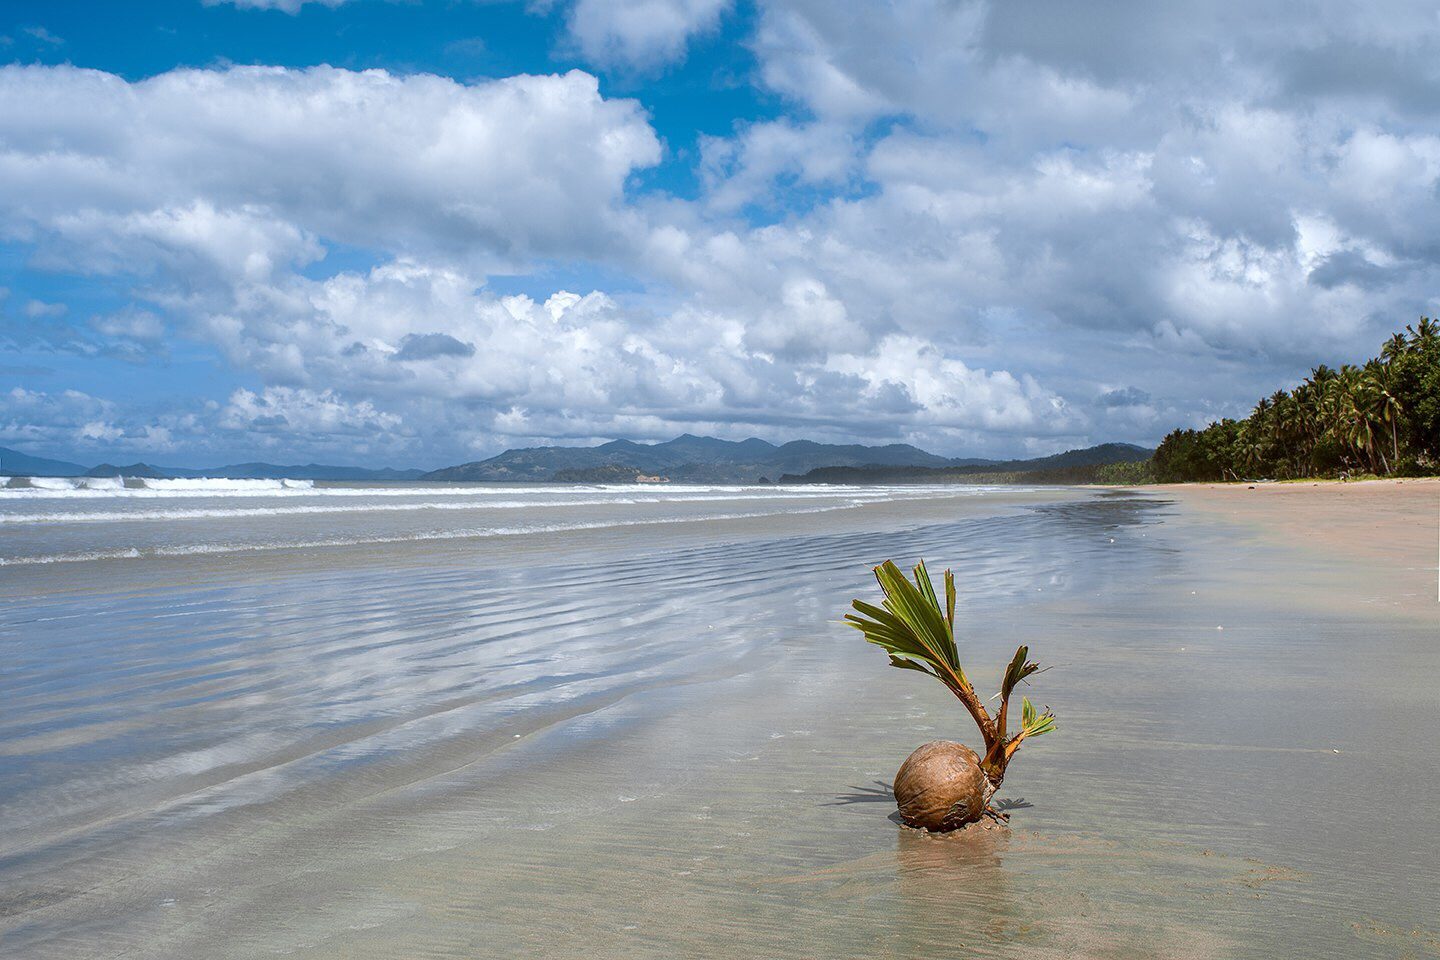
[669, 749]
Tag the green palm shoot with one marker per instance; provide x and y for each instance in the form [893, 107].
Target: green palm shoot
[918, 633]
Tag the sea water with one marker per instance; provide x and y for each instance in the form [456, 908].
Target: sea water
[54, 520]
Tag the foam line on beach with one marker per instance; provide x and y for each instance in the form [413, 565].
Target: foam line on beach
[203, 513]
[92, 488]
[132, 553]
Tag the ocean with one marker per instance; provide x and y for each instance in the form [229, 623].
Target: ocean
[55, 520]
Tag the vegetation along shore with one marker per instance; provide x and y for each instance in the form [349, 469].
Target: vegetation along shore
[1381, 418]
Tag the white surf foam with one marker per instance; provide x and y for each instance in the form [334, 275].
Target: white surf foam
[129, 553]
[53, 483]
[221, 484]
[226, 513]
[143, 487]
[536, 494]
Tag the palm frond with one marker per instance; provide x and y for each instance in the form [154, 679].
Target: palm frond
[911, 626]
[950, 601]
[919, 611]
[1032, 723]
[1018, 670]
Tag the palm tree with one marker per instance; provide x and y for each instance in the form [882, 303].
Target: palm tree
[919, 635]
[1249, 444]
[1283, 425]
[1394, 348]
[1382, 405]
[1426, 334]
[1348, 421]
[1307, 399]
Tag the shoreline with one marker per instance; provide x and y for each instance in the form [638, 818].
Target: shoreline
[581, 544]
[1386, 532]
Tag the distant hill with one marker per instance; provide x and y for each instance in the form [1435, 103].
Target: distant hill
[689, 458]
[1072, 466]
[1088, 457]
[686, 459]
[609, 473]
[13, 463]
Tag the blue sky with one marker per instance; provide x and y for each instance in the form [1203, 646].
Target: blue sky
[421, 232]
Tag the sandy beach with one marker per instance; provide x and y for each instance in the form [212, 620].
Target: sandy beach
[665, 745]
[1385, 529]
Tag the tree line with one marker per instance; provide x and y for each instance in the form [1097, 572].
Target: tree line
[1381, 418]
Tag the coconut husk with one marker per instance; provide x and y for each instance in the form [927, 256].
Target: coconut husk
[940, 786]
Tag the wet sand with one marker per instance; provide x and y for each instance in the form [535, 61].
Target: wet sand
[1380, 529]
[1244, 766]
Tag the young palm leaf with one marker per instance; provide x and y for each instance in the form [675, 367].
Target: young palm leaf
[911, 626]
[1033, 724]
[1018, 670]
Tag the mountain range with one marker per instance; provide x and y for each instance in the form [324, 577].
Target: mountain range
[16, 463]
[1072, 466]
[687, 458]
[13, 463]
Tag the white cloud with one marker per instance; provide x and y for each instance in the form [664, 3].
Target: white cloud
[288, 6]
[311, 415]
[130, 324]
[976, 225]
[750, 167]
[493, 172]
[39, 309]
[71, 419]
[640, 33]
[948, 395]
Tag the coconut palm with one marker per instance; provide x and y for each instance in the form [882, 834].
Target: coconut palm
[1348, 421]
[1283, 426]
[1381, 404]
[1394, 348]
[1251, 450]
[919, 634]
[1424, 334]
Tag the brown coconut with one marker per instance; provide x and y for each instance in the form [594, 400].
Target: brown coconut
[940, 786]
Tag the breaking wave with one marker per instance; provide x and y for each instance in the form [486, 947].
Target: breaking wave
[194, 486]
[207, 484]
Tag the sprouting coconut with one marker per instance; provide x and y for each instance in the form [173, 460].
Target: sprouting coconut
[944, 785]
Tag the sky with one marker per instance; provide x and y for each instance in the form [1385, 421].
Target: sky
[419, 232]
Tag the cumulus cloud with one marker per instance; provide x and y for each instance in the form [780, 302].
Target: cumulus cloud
[1161, 191]
[583, 367]
[73, 420]
[978, 226]
[640, 33]
[275, 419]
[288, 6]
[762, 163]
[245, 167]
[314, 415]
